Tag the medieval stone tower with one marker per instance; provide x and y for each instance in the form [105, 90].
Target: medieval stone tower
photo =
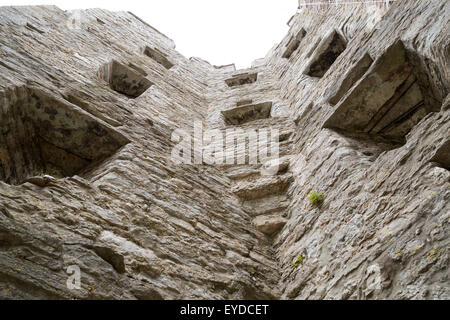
[89, 101]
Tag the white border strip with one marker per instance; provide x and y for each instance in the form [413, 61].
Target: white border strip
[338, 2]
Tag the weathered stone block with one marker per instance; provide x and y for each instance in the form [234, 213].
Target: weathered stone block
[269, 224]
[388, 101]
[244, 114]
[124, 79]
[350, 78]
[326, 53]
[263, 187]
[43, 134]
[270, 204]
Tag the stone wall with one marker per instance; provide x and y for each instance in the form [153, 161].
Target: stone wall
[382, 231]
[138, 225]
[89, 102]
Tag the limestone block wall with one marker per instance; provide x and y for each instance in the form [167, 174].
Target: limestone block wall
[382, 230]
[358, 93]
[137, 225]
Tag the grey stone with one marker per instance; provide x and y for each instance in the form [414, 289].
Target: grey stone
[140, 226]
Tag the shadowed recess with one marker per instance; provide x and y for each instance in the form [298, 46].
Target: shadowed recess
[389, 100]
[242, 79]
[44, 135]
[294, 44]
[158, 56]
[323, 57]
[350, 78]
[247, 113]
[123, 79]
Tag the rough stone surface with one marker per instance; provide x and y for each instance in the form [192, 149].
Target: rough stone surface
[269, 224]
[98, 188]
[247, 113]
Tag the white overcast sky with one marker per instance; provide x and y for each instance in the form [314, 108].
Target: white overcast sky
[219, 31]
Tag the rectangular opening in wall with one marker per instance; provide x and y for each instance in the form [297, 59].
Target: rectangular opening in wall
[294, 43]
[158, 56]
[45, 135]
[123, 79]
[242, 79]
[326, 54]
[388, 101]
[244, 114]
[350, 78]
[442, 155]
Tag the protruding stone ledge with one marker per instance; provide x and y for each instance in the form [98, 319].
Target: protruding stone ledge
[244, 114]
[238, 173]
[350, 78]
[388, 100]
[268, 205]
[124, 79]
[242, 79]
[42, 134]
[329, 49]
[263, 187]
[269, 225]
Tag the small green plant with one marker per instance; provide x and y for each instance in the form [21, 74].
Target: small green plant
[299, 261]
[315, 198]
